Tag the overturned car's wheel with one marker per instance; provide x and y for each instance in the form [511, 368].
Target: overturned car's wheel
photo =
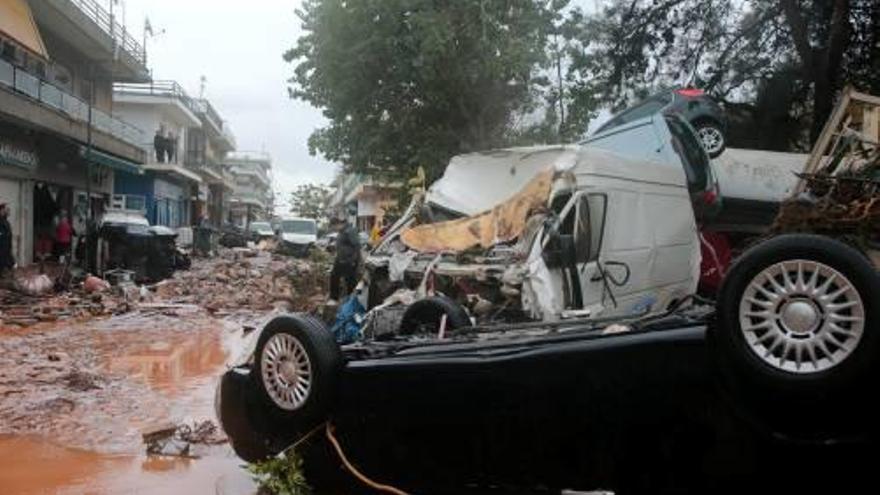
[795, 338]
[795, 314]
[296, 368]
[425, 315]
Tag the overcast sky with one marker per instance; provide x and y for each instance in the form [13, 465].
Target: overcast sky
[237, 46]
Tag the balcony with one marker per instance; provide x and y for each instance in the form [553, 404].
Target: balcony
[216, 128]
[27, 91]
[88, 27]
[153, 91]
[253, 200]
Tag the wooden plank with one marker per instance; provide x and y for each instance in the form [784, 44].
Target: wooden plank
[828, 131]
[871, 123]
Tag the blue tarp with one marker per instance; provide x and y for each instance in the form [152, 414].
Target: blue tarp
[347, 327]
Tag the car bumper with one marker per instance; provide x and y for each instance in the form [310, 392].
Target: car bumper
[296, 249]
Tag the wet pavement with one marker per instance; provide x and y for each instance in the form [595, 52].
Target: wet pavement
[75, 398]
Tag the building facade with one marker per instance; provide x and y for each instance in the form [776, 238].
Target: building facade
[363, 200]
[205, 153]
[60, 143]
[171, 191]
[252, 195]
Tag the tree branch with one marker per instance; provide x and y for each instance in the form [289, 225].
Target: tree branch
[800, 35]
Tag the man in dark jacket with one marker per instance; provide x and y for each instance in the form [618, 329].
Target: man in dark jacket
[6, 259]
[348, 257]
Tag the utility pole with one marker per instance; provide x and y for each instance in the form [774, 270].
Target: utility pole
[89, 144]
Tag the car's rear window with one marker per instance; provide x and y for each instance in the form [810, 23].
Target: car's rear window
[688, 148]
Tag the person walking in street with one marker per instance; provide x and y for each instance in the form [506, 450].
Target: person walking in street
[63, 236]
[7, 261]
[348, 257]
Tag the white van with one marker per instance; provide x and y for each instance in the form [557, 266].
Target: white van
[617, 237]
[297, 235]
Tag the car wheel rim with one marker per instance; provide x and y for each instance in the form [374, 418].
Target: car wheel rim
[286, 371]
[711, 138]
[802, 316]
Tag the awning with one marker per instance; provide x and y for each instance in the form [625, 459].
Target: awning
[17, 22]
[110, 161]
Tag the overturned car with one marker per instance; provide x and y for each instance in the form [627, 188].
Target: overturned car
[551, 345]
[500, 327]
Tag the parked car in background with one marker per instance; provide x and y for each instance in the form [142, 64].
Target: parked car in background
[328, 242]
[698, 108]
[259, 231]
[297, 235]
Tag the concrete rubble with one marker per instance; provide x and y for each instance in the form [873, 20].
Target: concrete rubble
[236, 279]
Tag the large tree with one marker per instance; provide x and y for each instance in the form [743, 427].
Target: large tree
[310, 201]
[780, 62]
[409, 83]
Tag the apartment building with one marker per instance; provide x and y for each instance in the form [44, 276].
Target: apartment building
[362, 199]
[252, 196]
[186, 142]
[60, 142]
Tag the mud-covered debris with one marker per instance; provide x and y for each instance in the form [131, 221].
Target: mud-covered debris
[178, 441]
[82, 381]
[204, 432]
[34, 284]
[93, 284]
[170, 447]
[247, 279]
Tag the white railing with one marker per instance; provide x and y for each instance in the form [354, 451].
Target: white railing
[75, 108]
[108, 23]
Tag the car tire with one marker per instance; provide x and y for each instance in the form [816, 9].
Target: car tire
[795, 313]
[428, 312]
[297, 366]
[821, 398]
[711, 137]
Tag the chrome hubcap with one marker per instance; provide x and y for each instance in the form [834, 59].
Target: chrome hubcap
[286, 371]
[802, 316]
[711, 138]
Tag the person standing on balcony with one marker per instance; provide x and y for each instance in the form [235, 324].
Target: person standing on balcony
[7, 261]
[159, 145]
[172, 147]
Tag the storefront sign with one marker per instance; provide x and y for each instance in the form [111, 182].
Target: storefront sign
[17, 155]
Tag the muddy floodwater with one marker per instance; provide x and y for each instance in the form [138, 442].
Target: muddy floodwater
[75, 399]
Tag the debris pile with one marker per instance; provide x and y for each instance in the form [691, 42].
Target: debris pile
[180, 440]
[839, 193]
[24, 310]
[248, 279]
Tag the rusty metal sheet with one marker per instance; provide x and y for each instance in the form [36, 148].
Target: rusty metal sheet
[505, 222]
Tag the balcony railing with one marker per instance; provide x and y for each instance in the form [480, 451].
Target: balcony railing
[166, 89]
[111, 26]
[207, 110]
[75, 108]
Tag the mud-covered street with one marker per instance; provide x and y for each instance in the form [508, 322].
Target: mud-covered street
[81, 392]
